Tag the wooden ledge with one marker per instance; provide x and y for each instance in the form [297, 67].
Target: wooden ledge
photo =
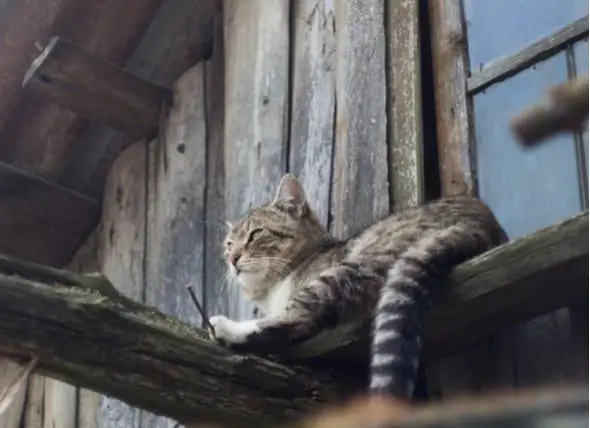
[516, 282]
[84, 332]
[95, 89]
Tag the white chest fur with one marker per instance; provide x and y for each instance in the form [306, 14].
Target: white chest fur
[278, 298]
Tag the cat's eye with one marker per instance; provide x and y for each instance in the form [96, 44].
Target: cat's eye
[253, 234]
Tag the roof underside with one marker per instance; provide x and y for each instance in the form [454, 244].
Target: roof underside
[156, 39]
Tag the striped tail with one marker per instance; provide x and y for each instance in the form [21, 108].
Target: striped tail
[405, 300]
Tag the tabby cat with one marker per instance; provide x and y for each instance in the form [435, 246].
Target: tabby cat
[307, 282]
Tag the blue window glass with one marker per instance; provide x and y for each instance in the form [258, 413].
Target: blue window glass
[526, 188]
[497, 28]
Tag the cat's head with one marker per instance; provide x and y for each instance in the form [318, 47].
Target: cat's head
[260, 247]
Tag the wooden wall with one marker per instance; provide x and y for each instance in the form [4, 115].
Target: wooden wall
[328, 89]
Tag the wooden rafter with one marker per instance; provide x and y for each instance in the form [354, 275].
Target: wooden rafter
[95, 88]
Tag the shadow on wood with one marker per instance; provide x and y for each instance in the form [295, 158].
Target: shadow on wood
[95, 88]
[40, 221]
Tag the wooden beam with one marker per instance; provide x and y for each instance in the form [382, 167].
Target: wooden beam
[40, 221]
[72, 324]
[86, 333]
[533, 53]
[514, 283]
[95, 88]
[453, 108]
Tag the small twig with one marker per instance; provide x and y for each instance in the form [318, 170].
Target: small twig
[565, 109]
[190, 290]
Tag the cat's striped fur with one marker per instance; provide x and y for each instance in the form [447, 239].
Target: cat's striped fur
[307, 282]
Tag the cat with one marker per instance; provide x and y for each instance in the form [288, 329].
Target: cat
[306, 281]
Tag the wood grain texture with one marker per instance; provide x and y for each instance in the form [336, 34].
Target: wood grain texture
[313, 104]
[33, 416]
[59, 407]
[155, 362]
[404, 100]
[21, 25]
[451, 68]
[40, 221]
[56, 404]
[170, 368]
[108, 29]
[94, 88]
[360, 181]
[11, 417]
[256, 34]
[535, 52]
[178, 37]
[119, 255]
[215, 292]
[176, 211]
[513, 283]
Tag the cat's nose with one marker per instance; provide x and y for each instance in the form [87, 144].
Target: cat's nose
[233, 258]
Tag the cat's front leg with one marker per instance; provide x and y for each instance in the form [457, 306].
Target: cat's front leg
[232, 334]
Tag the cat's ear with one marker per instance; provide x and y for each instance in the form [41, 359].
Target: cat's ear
[291, 194]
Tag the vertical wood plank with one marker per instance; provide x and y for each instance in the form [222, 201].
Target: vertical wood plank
[215, 299]
[60, 404]
[451, 67]
[256, 34]
[313, 100]
[404, 100]
[120, 247]
[360, 182]
[460, 373]
[33, 416]
[11, 418]
[176, 188]
[53, 403]
[88, 259]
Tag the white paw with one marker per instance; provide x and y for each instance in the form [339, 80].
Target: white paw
[231, 332]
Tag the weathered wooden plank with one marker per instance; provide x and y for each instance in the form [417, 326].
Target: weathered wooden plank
[40, 221]
[35, 402]
[313, 100]
[404, 101]
[176, 212]
[59, 407]
[154, 361]
[454, 140]
[215, 290]
[513, 283]
[57, 403]
[121, 252]
[11, 417]
[108, 28]
[256, 34]
[360, 181]
[169, 367]
[95, 88]
[449, 55]
[178, 37]
[533, 53]
[22, 24]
